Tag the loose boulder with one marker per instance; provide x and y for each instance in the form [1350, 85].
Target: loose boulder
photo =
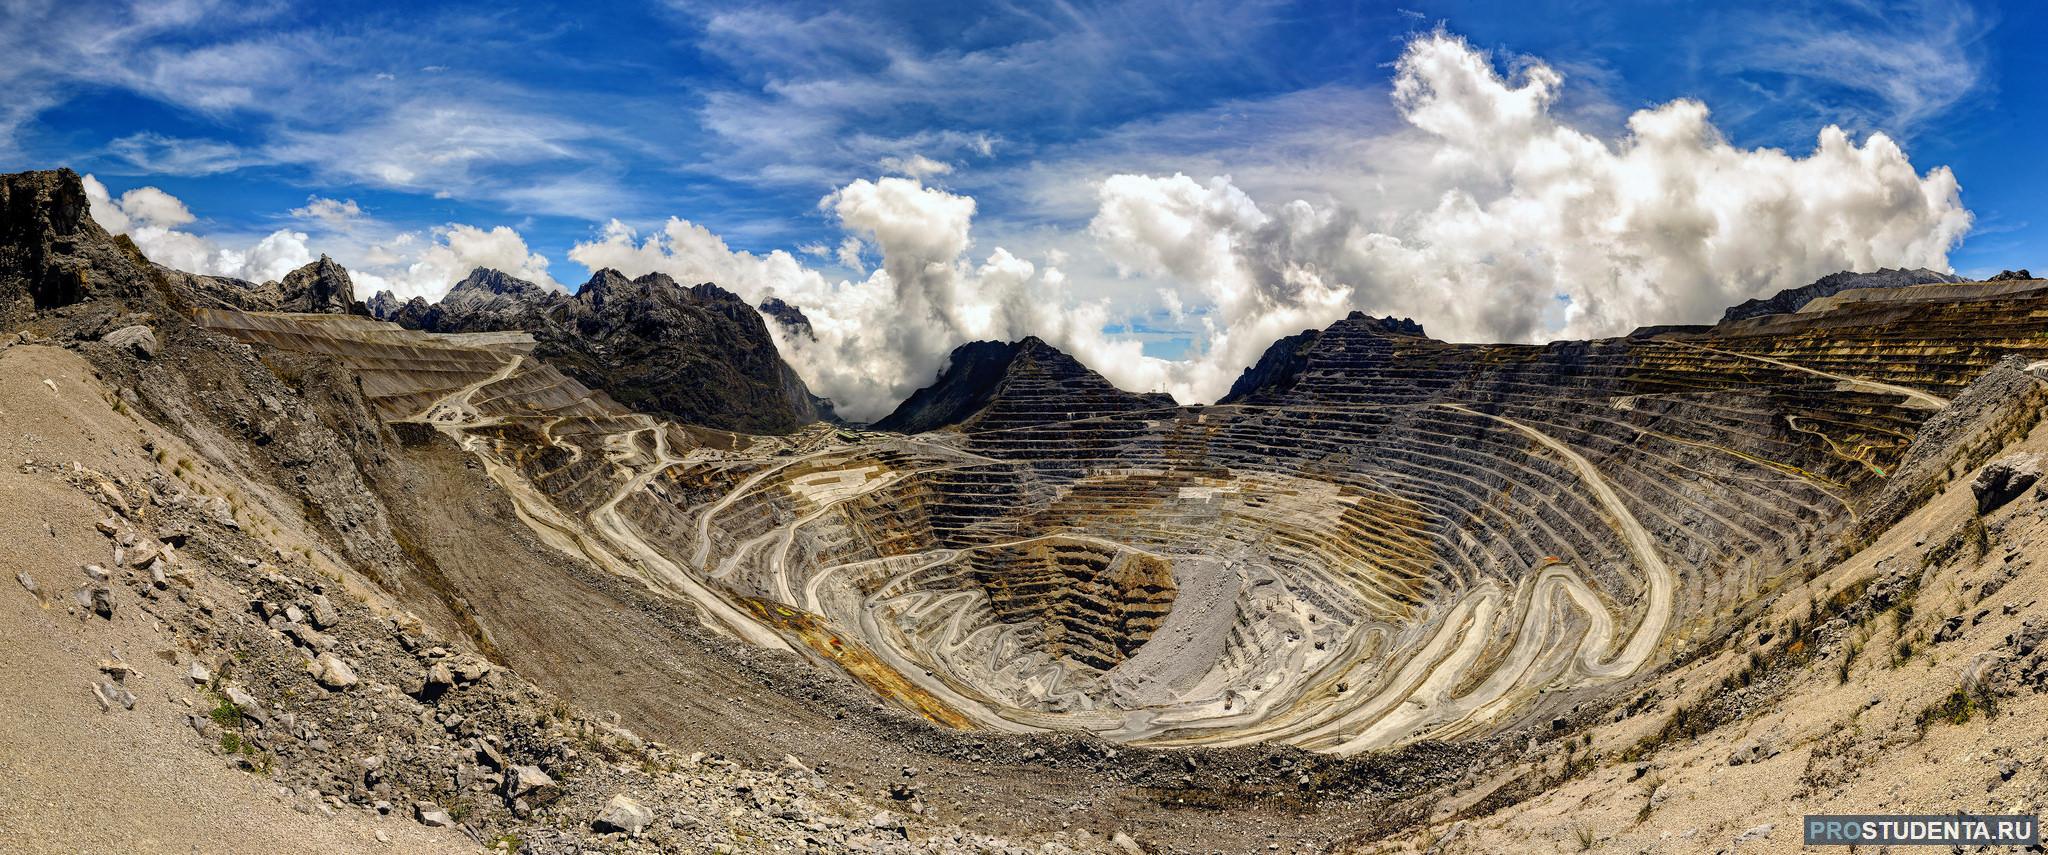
[432, 816]
[335, 672]
[136, 339]
[623, 814]
[531, 784]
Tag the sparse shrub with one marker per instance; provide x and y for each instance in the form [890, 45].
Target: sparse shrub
[225, 713]
[1585, 836]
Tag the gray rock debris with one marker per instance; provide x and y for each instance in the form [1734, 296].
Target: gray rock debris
[1752, 751]
[29, 582]
[2004, 479]
[111, 695]
[135, 338]
[251, 708]
[101, 600]
[623, 814]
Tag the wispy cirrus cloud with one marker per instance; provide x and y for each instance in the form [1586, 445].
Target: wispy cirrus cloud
[1889, 65]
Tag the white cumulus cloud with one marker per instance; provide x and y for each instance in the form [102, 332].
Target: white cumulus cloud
[407, 263]
[150, 217]
[412, 264]
[1490, 219]
[1475, 207]
[1492, 210]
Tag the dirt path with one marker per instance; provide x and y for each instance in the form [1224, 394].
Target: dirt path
[1914, 397]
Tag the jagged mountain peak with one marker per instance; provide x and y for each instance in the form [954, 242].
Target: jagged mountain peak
[1387, 324]
[499, 282]
[788, 316]
[991, 384]
[321, 287]
[1286, 360]
[697, 354]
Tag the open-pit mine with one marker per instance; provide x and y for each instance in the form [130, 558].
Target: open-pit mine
[319, 572]
[1377, 538]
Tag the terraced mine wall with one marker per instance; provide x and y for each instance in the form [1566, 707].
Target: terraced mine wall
[1378, 538]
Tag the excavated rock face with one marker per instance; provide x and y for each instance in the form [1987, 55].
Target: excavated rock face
[51, 250]
[698, 355]
[1792, 299]
[987, 384]
[320, 288]
[225, 292]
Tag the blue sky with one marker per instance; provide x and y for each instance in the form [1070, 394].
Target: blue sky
[749, 120]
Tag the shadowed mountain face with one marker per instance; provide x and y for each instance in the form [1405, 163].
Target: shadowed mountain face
[988, 384]
[698, 355]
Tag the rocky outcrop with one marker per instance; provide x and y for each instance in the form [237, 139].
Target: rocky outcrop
[136, 339]
[989, 384]
[2020, 275]
[322, 287]
[1791, 299]
[225, 292]
[382, 305]
[699, 355]
[52, 253]
[2004, 479]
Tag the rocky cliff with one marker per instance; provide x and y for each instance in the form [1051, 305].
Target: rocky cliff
[52, 254]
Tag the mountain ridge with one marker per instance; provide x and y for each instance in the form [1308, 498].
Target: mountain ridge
[697, 354]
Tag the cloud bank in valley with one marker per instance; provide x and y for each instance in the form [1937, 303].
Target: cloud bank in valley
[1484, 214]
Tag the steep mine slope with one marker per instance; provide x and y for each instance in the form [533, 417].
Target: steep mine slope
[699, 355]
[990, 384]
[1911, 677]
